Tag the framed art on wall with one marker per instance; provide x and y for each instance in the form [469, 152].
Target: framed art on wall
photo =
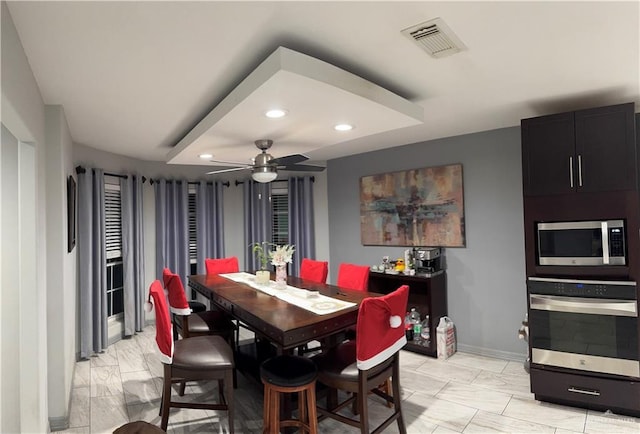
[71, 213]
[418, 207]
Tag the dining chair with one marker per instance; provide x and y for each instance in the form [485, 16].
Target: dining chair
[352, 276]
[222, 265]
[360, 366]
[194, 359]
[313, 270]
[189, 324]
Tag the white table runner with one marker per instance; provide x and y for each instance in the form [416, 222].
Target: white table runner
[318, 304]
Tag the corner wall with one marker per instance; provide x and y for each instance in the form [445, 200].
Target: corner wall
[23, 346]
[486, 279]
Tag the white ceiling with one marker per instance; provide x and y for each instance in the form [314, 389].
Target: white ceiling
[135, 78]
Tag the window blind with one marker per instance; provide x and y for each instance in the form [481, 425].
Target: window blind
[113, 221]
[193, 249]
[280, 213]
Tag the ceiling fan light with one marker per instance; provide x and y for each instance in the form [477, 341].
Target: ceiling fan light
[264, 174]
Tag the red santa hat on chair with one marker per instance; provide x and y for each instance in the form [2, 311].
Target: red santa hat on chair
[379, 333]
[164, 336]
[178, 303]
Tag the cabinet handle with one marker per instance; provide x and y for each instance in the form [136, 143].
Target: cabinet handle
[583, 391]
[571, 171]
[579, 170]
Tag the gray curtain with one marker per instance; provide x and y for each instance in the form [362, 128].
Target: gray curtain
[257, 219]
[132, 254]
[172, 227]
[209, 222]
[92, 263]
[301, 223]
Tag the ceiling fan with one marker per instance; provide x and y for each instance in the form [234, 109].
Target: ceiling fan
[265, 167]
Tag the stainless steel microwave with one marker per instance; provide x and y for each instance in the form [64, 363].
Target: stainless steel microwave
[581, 243]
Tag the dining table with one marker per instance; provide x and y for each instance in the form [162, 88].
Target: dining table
[273, 313]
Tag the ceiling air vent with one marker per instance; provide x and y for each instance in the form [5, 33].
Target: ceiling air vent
[435, 37]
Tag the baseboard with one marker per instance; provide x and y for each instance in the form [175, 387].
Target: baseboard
[504, 355]
[59, 423]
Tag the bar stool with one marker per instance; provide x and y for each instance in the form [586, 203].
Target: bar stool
[289, 374]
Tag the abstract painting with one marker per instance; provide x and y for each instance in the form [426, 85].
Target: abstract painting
[419, 207]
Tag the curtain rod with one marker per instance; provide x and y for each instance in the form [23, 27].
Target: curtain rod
[226, 183]
[80, 169]
[313, 179]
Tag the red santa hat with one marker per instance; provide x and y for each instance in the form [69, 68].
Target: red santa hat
[378, 332]
[164, 335]
[178, 303]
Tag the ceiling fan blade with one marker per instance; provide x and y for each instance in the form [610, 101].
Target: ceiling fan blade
[289, 159]
[233, 169]
[230, 163]
[302, 168]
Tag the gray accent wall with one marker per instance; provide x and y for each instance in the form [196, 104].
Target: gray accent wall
[486, 279]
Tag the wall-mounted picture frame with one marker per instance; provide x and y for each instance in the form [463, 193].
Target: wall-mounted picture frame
[418, 207]
[71, 213]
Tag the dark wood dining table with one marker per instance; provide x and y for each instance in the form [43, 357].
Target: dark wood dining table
[283, 324]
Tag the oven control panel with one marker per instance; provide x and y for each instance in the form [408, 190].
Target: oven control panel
[622, 290]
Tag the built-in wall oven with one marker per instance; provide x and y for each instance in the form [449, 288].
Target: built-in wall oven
[586, 325]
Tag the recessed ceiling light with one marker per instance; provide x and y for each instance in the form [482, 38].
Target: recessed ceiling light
[205, 156]
[343, 127]
[275, 113]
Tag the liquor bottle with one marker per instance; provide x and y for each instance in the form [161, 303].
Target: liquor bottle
[425, 332]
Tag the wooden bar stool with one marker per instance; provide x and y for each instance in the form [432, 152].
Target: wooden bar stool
[289, 374]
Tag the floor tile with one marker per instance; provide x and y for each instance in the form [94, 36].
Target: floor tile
[607, 422]
[478, 362]
[80, 407]
[445, 371]
[475, 397]
[513, 384]
[559, 416]
[106, 381]
[438, 411]
[139, 387]
[107, 358]
[108, 413]
[486, 422]
[82, 374]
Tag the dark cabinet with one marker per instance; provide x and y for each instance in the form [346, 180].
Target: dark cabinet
[427, 294]
[585, 151]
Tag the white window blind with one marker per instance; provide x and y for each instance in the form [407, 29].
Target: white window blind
[280, 211]
[113, 220]
[193, 250]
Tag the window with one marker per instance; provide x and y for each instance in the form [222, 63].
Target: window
[193, 247]
[113, 245]
[280, 212]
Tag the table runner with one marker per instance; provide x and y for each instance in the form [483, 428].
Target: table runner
[319, 304]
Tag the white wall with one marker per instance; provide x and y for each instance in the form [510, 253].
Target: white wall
[23, 366]
[61, 269]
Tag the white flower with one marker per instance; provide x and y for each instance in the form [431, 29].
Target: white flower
[282, 254]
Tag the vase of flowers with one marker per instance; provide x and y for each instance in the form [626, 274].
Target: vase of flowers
[280, 257]
[262, 255]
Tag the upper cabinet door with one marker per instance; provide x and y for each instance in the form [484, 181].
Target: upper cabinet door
[548, 155]
[606, 149]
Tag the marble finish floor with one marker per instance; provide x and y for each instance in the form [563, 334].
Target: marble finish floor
[464, 394]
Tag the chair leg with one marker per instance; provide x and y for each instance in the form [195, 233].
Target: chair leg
[266, 422]
[274, 412]
[302, 407]
[387, 388]
[312, 415]
[183, 386]
[228, 397]
[166, 397]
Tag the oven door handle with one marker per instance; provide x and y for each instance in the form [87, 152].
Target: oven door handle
[596, 306]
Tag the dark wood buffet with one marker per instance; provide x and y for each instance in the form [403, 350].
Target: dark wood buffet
[427, 293]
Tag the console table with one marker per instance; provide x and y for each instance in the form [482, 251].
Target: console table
[428, 294]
